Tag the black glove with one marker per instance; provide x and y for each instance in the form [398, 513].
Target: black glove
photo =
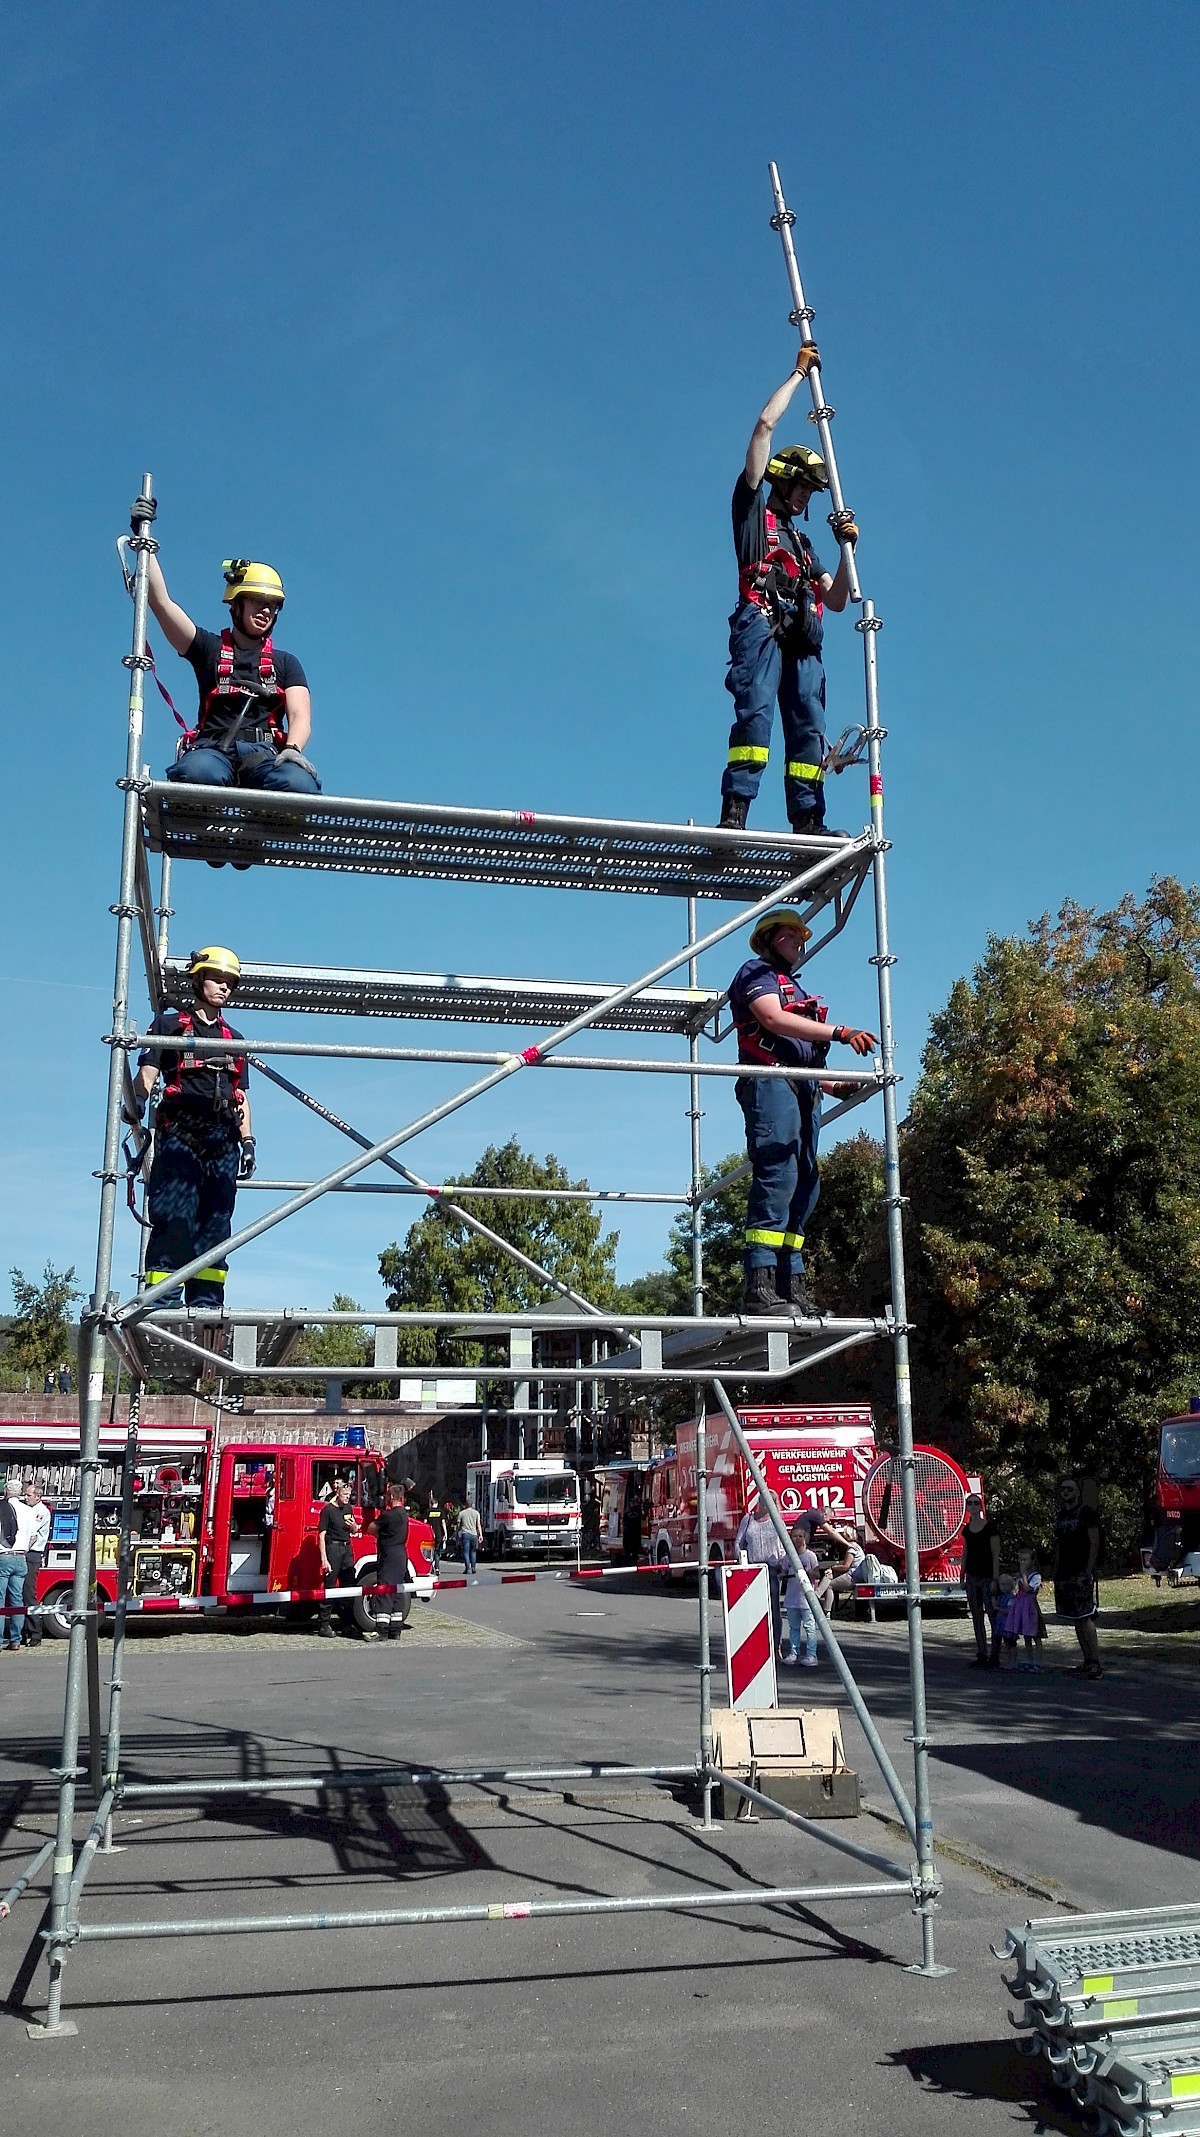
[248, 1161]
[133, 1109]
[142, 511]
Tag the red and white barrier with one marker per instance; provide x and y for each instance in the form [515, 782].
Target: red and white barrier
[749, 1637]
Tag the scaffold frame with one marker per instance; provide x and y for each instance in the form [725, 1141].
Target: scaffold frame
[823, 875]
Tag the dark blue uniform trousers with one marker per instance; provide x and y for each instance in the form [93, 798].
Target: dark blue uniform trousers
[781, 1138]
[193, 1188]
[761, 671]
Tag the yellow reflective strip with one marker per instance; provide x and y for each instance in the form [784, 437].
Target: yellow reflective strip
[1120, 2007]
[1095, 1984]
[746, 753]
[806, 771]
[210, 1276]
[158, 1276]
[1185, 2084]
[765, 1239]
[793, 1239]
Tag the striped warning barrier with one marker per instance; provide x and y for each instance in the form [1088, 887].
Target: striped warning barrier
[274, 1598]
[749, 1640]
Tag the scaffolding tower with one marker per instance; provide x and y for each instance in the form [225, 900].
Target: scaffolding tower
[822, 875]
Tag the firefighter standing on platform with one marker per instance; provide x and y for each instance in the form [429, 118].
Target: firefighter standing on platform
[775, 632]
[779, 1025]
[255, 710]
[203, 1143]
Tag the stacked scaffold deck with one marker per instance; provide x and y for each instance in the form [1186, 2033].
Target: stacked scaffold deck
[1111, 2008]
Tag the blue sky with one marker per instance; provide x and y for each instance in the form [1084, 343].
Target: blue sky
[462, 317]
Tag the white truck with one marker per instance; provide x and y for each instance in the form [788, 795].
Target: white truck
[526, 1506]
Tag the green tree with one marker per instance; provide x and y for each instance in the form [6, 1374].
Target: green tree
[40, 1335]
[444, 1266]
[1053, 1159]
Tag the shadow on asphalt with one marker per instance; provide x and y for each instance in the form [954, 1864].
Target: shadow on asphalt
[1139, 1789]
[988, 2070]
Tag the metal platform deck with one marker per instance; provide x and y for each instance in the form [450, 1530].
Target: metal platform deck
[394, 838]
[454, 997]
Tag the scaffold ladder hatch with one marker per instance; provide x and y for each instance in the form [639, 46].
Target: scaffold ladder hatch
[823, 875]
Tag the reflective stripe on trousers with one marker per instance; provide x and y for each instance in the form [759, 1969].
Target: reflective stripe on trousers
[762, 672]
[781, 1140]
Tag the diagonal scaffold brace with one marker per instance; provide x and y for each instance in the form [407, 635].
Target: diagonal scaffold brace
[869, 625]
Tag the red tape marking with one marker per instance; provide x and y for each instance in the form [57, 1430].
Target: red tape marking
[531, 1055]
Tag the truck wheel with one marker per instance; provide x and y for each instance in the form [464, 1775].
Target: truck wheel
[58, 1599]
[365, 1606]
[716, 1560]
[664, 1564]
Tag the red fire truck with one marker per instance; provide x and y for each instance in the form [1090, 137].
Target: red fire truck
[823, 1461]
[223, 1523]
[1177, 1498]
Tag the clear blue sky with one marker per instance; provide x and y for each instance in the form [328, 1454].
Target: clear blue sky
[462, 316]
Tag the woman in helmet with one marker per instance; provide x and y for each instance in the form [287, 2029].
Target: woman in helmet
[775, 630]
[255, 710]
[202, 1139]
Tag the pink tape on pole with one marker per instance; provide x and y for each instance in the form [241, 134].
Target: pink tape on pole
[531, 1055]
[877, 783]
[526, 816]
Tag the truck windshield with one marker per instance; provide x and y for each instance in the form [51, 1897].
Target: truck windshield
[1180, 1450]
[546, 1491]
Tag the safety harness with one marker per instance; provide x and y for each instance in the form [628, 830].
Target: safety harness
[783, 584]
[764, 1047]
[270, 709]
[229, 1074]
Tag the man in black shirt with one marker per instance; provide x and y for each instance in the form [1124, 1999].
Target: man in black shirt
[337, 1557]
[1077, 1541]
[981, 1575]
[391, 1567]
[255, 713]
[775, 631]
[203, 1144]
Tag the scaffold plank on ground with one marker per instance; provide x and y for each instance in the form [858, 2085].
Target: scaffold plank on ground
[355, 836]
[453, 997]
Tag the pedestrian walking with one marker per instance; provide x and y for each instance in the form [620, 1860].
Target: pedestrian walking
[33, 1534]
[981, 1576]
[334, 1531]
[1077, 1541]
[470, 1532]
[12, 1578]
[757, 1544]
[776, 630]
[391, 1566]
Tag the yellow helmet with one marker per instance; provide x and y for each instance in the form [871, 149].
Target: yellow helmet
[243, 577]
[215, 963]
[798, 463]
[783, 916]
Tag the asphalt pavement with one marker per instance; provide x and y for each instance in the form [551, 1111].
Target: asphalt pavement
[1084, 1793]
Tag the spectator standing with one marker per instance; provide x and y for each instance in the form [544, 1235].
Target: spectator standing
[470, 1531]
[64, 1379]
[391, 1568]
[981, 1576]
[1076, 1557]
[33, 1534]
[758, 1545]
[337, 1556]
[12, 1577]
[1024, 1616]
[48, 1382]
[802, 1626]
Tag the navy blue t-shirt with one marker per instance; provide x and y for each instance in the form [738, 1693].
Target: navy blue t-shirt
[750, 530]
[754, 979]
[203, 655]
[211, 1088]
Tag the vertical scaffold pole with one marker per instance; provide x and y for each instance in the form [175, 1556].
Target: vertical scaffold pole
[91, 1342]
[112, 1756]
[706, 1735]
[869, 624]
[695, 1116]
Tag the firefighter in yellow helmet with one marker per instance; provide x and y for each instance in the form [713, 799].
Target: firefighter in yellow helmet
[255, 713]
[203, 1144]
[776, 629]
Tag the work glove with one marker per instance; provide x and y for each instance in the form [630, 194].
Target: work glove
[863, 1042]
[247, 1162]
[844, 525]
[809, 355]
[133, 1110]
[288, 755]
[142, 511]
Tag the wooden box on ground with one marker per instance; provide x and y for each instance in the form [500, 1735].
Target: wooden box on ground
[797, 1758]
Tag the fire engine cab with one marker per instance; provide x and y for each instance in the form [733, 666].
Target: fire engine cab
[229, 1522]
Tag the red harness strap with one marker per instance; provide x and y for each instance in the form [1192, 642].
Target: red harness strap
[226, 687]
[780, 558]
[232, 1065]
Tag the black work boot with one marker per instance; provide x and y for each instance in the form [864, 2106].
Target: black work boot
[759, 1295]
[798, 1299]
[734, 811]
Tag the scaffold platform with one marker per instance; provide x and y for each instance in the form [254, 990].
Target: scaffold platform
[396, 838]
[453, 997]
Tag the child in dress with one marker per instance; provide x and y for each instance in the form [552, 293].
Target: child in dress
[1024, 1618]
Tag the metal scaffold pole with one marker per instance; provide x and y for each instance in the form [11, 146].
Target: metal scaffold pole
[91, 1337]
[869, 625]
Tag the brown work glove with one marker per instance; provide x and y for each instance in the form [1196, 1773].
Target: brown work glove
[809, 355]
[844, 525]
[863, 1042]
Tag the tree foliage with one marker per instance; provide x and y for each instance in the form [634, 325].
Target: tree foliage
[444, 1266]
[40, 1335]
